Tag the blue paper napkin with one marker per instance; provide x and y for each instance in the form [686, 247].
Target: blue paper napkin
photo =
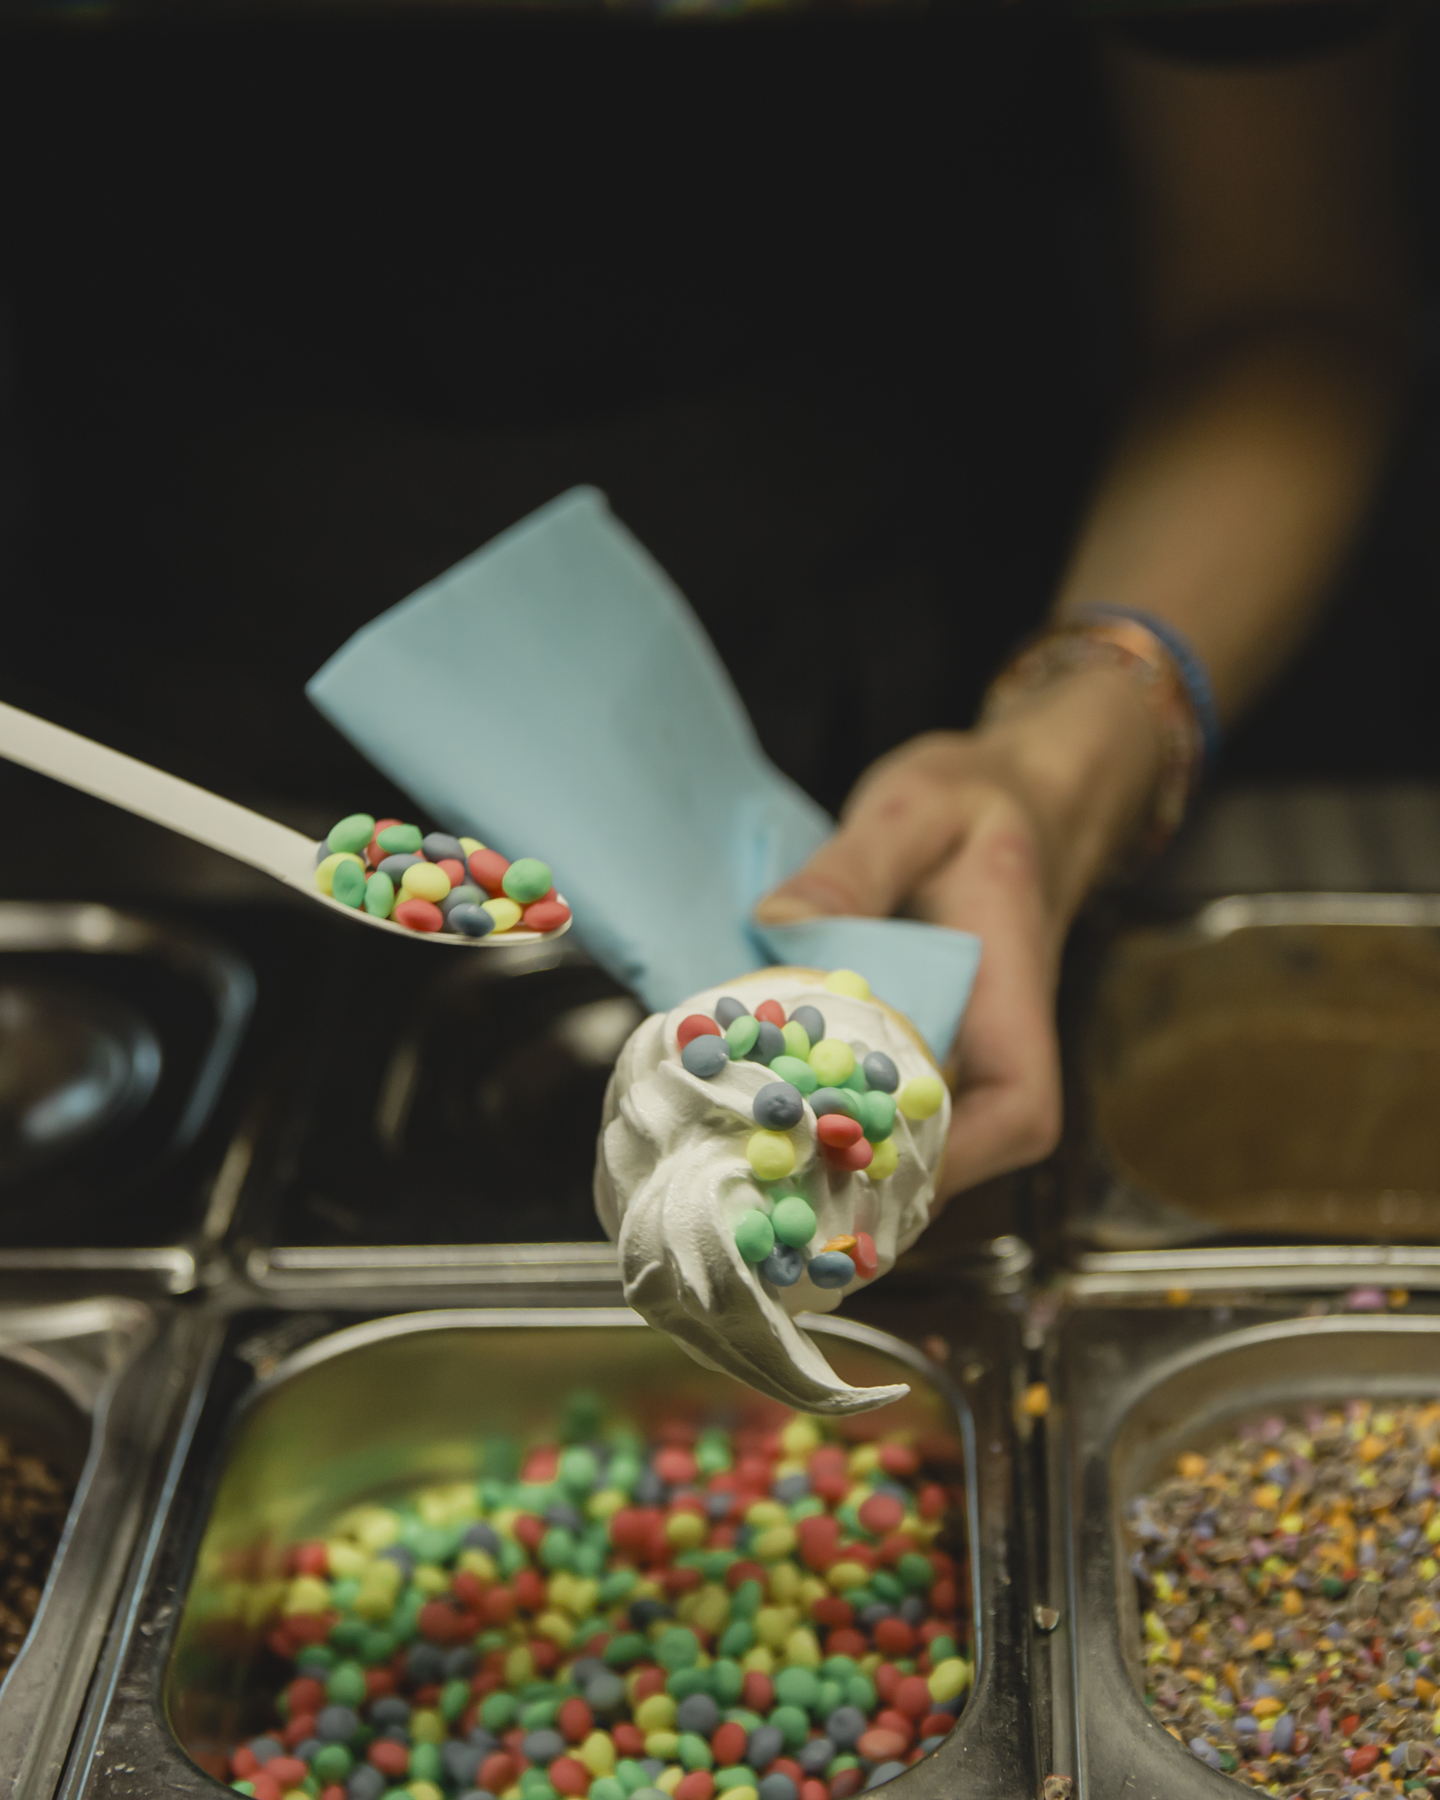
[554, 695]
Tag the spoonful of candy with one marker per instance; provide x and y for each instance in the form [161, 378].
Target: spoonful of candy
[383, 872]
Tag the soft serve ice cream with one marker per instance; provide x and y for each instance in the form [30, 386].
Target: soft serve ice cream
[765, 1147]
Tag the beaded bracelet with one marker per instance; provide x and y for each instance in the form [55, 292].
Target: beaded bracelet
[1173, 681]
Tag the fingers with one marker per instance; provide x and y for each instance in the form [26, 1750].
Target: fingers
[899, 828]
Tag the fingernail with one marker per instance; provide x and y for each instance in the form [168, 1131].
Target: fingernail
[786, 909]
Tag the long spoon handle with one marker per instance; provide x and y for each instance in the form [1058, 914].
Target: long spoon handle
[122, 780]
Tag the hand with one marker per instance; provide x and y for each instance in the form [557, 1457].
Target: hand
[1001, 832]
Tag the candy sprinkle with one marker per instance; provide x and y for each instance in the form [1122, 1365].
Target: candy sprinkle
[765, 1611]
[435, 882]
[1288, 1585]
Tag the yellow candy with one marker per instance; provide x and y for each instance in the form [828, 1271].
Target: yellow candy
[766, 1512]
[556, 1627]
[470, 845]
[598, 1753]
[431, 1579]
[603, 1504]
[922, 1097]
[686, 1530]
[797, 1040]
[771, 1154]
[477, 1562]
[864, 1458]
[742, 1793]
[669, 1779]
[519, 1667]
[662, 1745]
[832, 1061]
[885, 1161]
[846, 981]
[344, 1559]
[761, 1661]
[773, 1624]
[844, 1575]
[505, 913]
[655, 1713]
[712, 1608]
[800, 1437]
[773, 1543]
[307, 1594]
[427, 1727]
[784, 1584]
[802, 1648]
[423, 881]
[949, 1679]
[420, 1790]
[325, 871]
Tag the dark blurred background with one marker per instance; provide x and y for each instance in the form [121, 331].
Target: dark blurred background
[299, 309]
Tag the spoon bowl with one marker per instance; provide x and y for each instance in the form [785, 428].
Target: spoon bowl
[265, 844]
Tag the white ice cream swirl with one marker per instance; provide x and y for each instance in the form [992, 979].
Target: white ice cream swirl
[672, 1181]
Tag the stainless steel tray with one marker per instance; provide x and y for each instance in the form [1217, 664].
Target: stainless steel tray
[301, 1415]
[88, 1385]
[1135, 1386]
[1263, 1072]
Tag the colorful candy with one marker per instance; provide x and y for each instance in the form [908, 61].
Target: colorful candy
[435, 882]
[768, 1614]
[1288, 1596]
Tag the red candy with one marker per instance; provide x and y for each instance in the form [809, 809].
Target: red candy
[881, 1513]
[266, 1786]
[575, 1720]
[648, 1682]
[487, 870]
[244, 1763]
[836, 1130]
[289, 1771]
[899, 1460]
[819, 1540]
[311, 1559]
[846, 1642]
[867, 1262]
[890, 1718]
[628, 1739]
[305, 1695]
[814, 1790]
[419, 915]
[699, 1784]
[498, 1606]
[529, 1528]
[374, 855]
[729, 1743]
[758, 1693]
[697, 1025]
[545, 915]
[676, 1467]
[498, 1772]
[931, 1504]
[772, 1012]
[846, 1784]
[389, 1757]
[454, 870]
[858, 1156]
[302, 1726]
[569, 1776]
[935, 1724]
[832, 1610]
[882, 1746]
[893, 1637]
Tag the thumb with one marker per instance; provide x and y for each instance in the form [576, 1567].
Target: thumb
[891, 837]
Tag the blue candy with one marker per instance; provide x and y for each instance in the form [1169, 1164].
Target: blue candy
[778, 1787]
[777, 1106]
[880, 1072]
[471, 921]
[764, 1745]
[834, 1100]
[728, 1010]
[769, 1043]
[467, 894]
[831, 1269]
[438, 846]
[815, 1756]
[395, 866]
[811, 1020]
[887, 1771]
[705, 1056]
[784, 1266]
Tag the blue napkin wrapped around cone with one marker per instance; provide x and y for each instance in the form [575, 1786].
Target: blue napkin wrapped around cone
[553, 695]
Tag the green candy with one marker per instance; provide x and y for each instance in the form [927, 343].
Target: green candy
[837, 1099]
[792, 1222]
[579, 1470]
[498, 1710]
[792, 1721]
[747, 1600]
[807, 1508]
[797, 1687]
[606, 1788]
[348, 885]
[317, 1656]
[790, 1068]
[626, 1649]
[855, 1081]
[754, 1235]
[832, 1694]
[885, 1587]
[941, 1650]
[630, 1775]
[694, 1752]
[346, 1686]
[527, 879]
[344, 1594]
[617, 1585]
[333, 1763]
[351, 835]
[712, 1453]
[727, 1680]
[737, 1638]
[915, 1571]
[839, 1764]
[797, 1042]
[538, 1714]
[860, 1691]
[454, 1698]
[500, 1460]
[741, 1715]
[837, 1668]
[877, 1114]
[588, 1560]
[425, 1764]
[739, 1776]
[379, 894]
[685, 1682]
[557, 1548]
[740, 1035]
[678, 1648]
[400, 840]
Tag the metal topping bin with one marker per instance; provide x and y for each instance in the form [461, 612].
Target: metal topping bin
[283, 1440]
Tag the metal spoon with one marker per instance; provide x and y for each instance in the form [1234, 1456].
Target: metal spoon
[196, 813]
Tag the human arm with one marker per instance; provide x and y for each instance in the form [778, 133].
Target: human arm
[1271, 283]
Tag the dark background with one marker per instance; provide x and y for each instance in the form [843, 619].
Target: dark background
[300, 310]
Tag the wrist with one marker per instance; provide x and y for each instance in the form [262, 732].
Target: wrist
[1087, 753]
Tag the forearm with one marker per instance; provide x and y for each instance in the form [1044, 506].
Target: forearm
[1236, 490]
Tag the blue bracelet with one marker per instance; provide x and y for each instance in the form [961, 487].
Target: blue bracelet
[1194, 676]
